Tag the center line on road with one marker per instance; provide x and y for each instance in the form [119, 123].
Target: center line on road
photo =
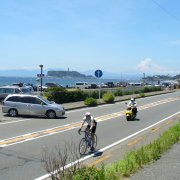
[59, 129]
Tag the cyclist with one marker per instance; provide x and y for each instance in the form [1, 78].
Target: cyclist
[132, 103]
[91, 126]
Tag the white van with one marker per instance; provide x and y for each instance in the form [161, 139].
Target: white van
[33, 105]
[82, 85]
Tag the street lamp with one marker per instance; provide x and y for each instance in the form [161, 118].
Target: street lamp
[41, 75]
[144, 81]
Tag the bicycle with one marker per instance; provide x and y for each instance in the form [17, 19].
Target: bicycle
[86, 142]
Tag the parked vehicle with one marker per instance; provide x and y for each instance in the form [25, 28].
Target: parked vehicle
[82, 85]
[6, 90]
[93, 86]
[52, 85]
[103, 85]
[21, 85]
[43, 88]
[110, 84]
[34, 105]
[135, 84]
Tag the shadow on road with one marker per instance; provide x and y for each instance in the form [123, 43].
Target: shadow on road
[33, 117]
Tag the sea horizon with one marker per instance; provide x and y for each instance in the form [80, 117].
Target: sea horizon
[70, 82]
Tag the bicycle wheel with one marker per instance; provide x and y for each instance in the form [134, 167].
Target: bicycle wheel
[82, 146]
[95, 141]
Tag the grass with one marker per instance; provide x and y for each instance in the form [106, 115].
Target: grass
[136, 159]
[132, 161]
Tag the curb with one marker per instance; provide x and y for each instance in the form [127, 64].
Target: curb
[117, 100]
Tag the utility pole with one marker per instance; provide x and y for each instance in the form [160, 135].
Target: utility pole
[144, 78]
[41, 76]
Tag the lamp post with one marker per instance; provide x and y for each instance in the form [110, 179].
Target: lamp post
[144, 81]
[41, 75]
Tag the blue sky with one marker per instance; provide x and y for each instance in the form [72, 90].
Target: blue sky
[117, 36]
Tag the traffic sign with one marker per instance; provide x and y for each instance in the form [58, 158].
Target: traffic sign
[98, 73]
[40, 75]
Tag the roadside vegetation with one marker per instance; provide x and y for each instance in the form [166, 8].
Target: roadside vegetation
[61, 95]
[108, 97]
[131, 163]
[91, 102]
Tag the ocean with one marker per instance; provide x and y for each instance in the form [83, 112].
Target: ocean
[70, 82]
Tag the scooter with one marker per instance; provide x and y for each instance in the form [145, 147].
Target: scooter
[130, 114]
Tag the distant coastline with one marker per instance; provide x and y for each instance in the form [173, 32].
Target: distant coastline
[67, 74]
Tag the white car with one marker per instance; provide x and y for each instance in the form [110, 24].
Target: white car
[102, 85]
[6, 90]
[82, 85]
[33, 105]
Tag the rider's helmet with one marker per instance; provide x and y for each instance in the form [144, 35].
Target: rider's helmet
[87, 114]
[132, 99]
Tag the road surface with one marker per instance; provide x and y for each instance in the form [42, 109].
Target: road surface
[23, 139]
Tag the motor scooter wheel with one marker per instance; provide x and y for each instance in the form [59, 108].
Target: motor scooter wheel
[128, 118]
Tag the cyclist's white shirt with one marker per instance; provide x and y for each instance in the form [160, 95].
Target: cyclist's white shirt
[89, 121]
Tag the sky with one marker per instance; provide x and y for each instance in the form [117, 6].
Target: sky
[117, 36]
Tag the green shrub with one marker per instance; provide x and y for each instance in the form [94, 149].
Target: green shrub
[60, 95]
[118, 93]
[151, 89]
[93, 94]
[89, 173]
[142, 95]
[137, 91]
[90, 101]
[108, 97]
[128, 92]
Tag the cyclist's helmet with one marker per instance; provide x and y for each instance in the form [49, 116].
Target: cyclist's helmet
[132, 99]
[87, 114]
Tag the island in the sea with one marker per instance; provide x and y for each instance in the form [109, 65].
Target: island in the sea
[68, 74]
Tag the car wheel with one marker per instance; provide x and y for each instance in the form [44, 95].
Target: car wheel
[13, 112]
[51, 114]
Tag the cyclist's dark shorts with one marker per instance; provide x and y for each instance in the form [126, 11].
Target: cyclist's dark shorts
[93, 128]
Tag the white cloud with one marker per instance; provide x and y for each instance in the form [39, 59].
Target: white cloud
[147, 65]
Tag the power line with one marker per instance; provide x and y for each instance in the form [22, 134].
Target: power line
[165, 10]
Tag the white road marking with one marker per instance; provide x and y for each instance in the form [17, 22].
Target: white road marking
[67, 127]
[14, 121]
[108, 147]
[77, 110]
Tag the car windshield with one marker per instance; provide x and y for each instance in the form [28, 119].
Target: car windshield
[25, 90]
[45, 100]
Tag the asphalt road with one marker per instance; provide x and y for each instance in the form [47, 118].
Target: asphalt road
[23, 139]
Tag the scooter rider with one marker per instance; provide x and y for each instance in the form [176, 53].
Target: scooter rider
[132, 103]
